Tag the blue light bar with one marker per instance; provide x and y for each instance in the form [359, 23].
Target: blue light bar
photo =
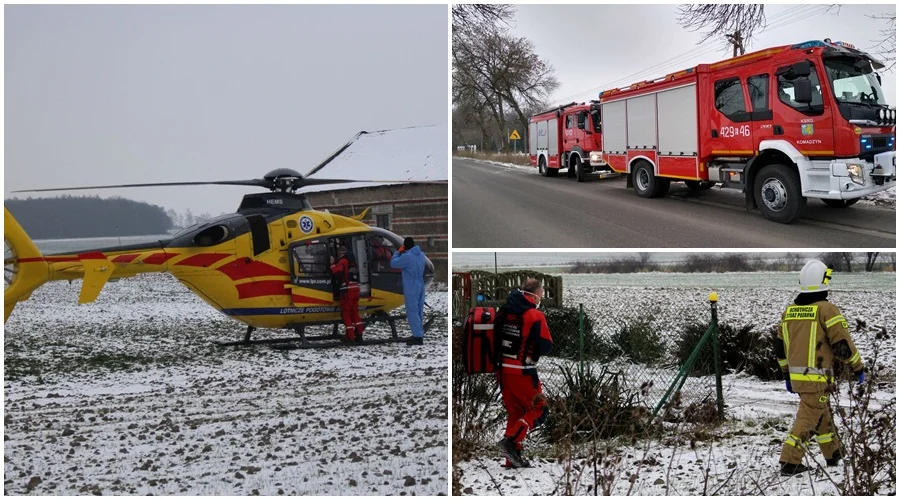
[810, 44]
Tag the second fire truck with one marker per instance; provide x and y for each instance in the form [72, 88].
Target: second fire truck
[565, 137]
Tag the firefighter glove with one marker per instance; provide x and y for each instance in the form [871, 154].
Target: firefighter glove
[860, 377]
[787, 385]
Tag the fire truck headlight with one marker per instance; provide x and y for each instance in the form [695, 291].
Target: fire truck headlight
[893, 114]
[881, 114]
[595, 157]
[856, 173]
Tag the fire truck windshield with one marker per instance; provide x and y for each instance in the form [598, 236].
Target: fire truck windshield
[853, 81]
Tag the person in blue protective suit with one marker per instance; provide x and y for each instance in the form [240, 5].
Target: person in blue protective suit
[411, 261]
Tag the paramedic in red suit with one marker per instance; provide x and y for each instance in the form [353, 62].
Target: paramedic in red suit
[349, 294]
[523, 338]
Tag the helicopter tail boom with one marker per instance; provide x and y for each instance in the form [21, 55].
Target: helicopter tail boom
[24, 266]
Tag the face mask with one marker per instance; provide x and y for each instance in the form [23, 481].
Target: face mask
[538, 304]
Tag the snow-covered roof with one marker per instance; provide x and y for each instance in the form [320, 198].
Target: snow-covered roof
[414, 154]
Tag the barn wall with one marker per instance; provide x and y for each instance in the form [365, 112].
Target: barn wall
[417, 210]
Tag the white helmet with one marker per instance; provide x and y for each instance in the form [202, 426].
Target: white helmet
[814, 277]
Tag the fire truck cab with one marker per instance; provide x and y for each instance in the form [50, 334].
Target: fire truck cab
[566, 137]
[783, 124]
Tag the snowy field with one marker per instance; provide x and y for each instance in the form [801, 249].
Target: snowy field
[739, 457]
[130, 395]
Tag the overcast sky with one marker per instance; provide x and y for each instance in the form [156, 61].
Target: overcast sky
[130, 94]
[597, 47]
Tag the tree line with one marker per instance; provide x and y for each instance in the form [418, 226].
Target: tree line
[740, 262]
[87, 217]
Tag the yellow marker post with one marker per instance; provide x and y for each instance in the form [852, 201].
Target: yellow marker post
[713, 297]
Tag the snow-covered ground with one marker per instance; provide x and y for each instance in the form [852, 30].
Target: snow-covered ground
[130, 395]
[739, 457]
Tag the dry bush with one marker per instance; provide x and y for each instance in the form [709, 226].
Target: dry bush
[742, 349]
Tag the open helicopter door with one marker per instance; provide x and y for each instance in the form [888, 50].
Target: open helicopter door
[311, 281]
[362, 265]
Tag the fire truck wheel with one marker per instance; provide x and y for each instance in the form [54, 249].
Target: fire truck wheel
[840, 203]
[570, 172]
[646, 183]
[643, 180]
[778, 194]
[579, 171]
[542, 166]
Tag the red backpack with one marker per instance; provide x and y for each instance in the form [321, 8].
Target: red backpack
[479, 352]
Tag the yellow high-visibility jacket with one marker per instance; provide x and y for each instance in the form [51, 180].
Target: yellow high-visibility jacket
[809, 332]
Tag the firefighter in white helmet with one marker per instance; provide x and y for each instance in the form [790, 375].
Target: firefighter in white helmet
[813, 333]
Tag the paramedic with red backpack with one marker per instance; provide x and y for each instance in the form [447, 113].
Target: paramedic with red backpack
[522, 337]
[344, 270]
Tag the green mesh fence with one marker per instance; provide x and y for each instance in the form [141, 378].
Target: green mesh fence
[621, 358]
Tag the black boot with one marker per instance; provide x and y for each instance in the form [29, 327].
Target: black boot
[835, 459]
[793, 469]
[512, 454]
[415, 341]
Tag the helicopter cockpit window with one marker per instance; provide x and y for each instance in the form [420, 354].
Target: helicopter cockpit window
[311, 260]
[381, 250]
[211, 236]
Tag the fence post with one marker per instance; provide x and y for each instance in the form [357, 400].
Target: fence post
[581, 340]
[714, 324]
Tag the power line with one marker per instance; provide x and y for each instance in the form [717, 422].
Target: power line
[779, 20]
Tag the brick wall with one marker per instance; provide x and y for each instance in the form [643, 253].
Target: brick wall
[417, 210]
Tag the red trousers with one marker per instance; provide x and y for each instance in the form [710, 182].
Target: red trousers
[350, 311]
[525, 404]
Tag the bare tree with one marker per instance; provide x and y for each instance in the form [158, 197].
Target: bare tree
[886, 46]
[500, 73]
[467, 16]
[848, 257]
[645, 258]
[793, 261]
[871, 257]
[736, 23]
[839, 261]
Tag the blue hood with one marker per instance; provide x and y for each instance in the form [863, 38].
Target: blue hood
[516, 303]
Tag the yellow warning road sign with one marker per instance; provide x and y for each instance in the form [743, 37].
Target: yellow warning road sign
[515, 135]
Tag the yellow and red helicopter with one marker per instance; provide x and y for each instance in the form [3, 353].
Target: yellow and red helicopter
[267, 265]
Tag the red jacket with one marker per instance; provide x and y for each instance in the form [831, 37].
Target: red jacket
[341, 269]
[523, 335]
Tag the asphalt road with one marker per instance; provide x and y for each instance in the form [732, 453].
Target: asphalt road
[508, 207]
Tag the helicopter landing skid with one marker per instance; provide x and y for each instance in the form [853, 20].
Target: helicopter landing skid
[316, 341]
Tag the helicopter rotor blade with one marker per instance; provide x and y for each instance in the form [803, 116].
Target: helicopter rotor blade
[309, 181]
[249, 182]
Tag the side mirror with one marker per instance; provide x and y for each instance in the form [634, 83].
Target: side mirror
[801, 68]
[878, 77]
[803, 91]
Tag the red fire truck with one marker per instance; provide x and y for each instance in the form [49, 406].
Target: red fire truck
[783, 124]
[565, 137]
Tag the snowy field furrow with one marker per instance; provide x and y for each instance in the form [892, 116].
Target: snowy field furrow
[130, 395]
